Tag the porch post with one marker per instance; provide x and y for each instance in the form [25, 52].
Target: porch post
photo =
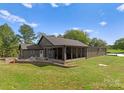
[71, 53]
[64, 53]
[76, 52]
[81, 52]
[56, 53]
[86, 53]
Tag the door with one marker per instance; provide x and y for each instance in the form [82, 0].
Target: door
[41, 53]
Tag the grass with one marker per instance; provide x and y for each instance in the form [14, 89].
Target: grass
[87, 75]
[115, 50]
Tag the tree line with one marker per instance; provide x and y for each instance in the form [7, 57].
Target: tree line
[118, 44]
[10, 41]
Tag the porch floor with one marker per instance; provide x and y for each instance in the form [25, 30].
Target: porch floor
[45, 61]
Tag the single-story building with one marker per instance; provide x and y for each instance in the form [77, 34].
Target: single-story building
[59, 49]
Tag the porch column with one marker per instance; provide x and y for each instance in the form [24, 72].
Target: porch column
[71, 53]
[64, 53]
[86, 53]
[81, 53]
[76, 52]
[56, 53]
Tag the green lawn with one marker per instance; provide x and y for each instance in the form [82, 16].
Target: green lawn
[88, 75]
[115, 50]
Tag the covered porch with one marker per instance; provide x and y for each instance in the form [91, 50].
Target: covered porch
[65, 52]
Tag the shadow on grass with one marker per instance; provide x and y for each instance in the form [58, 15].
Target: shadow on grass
[39, 64]
[43, 64]
[116, 52]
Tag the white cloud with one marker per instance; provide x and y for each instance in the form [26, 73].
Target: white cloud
[28, 5]
[103, 23]
[121, 8]
[67, 4]
[59, 4]
[88, 30]
[57, 34]
[33, 24]
[85, 30]
[76, 28]
[13, 18]
[54, 5]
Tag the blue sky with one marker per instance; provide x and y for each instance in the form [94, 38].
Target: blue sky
[105, 21]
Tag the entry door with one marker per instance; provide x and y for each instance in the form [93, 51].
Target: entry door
[41, 53]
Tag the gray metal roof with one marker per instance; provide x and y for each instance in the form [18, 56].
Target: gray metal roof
[29, 46]
[56, 42]
[66, 42]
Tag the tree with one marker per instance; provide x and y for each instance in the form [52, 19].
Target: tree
[60, 36]
[77, 35]
[110, 46]
[119, 44]
[97, 43]
[1, 43]
[39, 35]
[8, 41]
[27, 34]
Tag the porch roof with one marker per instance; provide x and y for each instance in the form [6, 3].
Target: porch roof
[30, 46]
[64, 42]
